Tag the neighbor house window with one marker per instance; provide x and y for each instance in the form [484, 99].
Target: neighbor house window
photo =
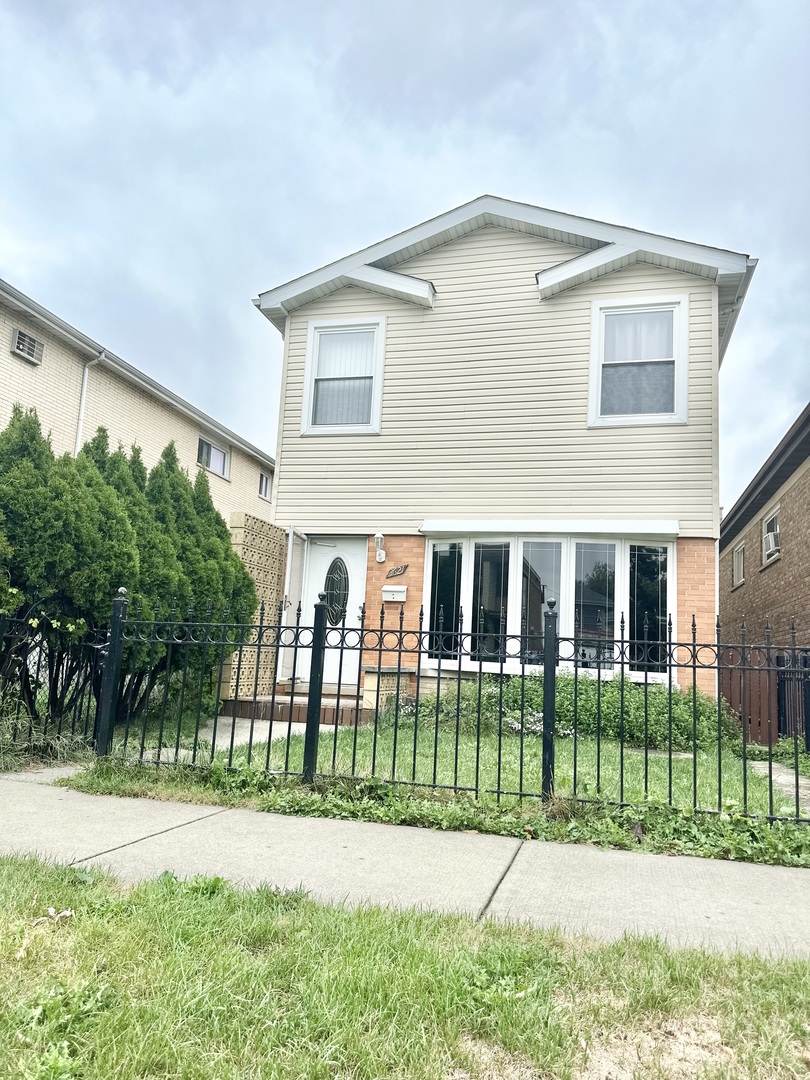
[639, 362]
[343, 392]
[212, 457]
[497, 592]
[738, 565]
[771, 541]
[265, 485]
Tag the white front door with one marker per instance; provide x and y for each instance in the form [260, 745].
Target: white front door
[335, 565]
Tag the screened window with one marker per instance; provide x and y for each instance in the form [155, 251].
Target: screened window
[639, 364]
[344, 380]
[212, 457]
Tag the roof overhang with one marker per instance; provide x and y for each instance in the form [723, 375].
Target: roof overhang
[660, 528]
[85, 346]
[609, 248]
[791, 453]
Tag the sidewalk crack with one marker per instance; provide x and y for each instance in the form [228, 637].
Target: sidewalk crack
[149, 836]
[499, 882]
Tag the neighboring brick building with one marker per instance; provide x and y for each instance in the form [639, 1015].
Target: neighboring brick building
[765, 581]
[77, 386]
[764, 566]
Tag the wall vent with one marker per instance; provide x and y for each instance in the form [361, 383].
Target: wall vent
[27, 347]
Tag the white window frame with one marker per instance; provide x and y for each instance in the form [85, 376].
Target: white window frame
[772, 514]
[214, 446]
[738, 566]
[265, 476]
[315, 328]
[565, 624]
[678, 304]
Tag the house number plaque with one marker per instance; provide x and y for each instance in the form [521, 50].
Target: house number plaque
[397, 571]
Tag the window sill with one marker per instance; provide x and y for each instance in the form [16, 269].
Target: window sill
[347, 430]
[739, 585]
[645, 420]
[213, 472]
[770, 562]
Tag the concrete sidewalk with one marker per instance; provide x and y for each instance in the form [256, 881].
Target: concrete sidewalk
[583, 890]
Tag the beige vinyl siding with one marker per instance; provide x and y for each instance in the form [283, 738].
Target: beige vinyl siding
[485, 404]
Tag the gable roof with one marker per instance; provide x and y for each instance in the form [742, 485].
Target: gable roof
[610, 247]
[793, 450]
[69, 335]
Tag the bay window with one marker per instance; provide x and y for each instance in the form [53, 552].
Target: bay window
[498, 589]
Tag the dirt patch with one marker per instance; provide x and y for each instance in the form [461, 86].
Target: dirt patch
[675, 1050]
[493, 1063]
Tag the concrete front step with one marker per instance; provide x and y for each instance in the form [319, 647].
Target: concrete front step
[285, 710]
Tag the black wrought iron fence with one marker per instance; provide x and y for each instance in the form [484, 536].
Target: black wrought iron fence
[719, 726]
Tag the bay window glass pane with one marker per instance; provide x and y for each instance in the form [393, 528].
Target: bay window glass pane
[629, 389]
[648, 599]
[638, 335]
[445, 598]
[541, 583]
[342, 401]
[490, 600]
[594, 593]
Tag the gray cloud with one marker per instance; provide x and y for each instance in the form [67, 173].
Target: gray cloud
[166, 162]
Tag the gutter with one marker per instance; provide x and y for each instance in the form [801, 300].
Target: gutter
[83, 401]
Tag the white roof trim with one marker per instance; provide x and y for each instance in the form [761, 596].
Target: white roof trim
[626, 527]
[402, 286]
[490, 210]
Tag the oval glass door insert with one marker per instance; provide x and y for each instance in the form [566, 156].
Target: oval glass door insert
[336, 588]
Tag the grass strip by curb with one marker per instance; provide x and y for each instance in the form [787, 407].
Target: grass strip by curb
[650, 827]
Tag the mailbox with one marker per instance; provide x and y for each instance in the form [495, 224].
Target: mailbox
[395, 594]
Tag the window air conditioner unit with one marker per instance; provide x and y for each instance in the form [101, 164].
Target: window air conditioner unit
[28, 348]
[772, 546]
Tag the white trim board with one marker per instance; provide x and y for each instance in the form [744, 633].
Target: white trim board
[635, 527]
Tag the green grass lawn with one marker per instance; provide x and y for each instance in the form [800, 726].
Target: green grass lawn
[515, 765]
[197, 980]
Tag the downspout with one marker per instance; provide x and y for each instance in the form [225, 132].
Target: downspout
[83, 400]
[288, 570]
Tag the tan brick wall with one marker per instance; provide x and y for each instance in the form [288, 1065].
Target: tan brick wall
[262, 548]
[132, 416]
[779, 591]
[696, 571]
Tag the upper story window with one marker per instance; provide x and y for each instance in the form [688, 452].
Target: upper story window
[212, 457]
[771, 541]
[639, 362]
[738, 566]
[265, 485]
[343, 389]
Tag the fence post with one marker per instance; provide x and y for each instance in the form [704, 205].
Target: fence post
[315, 691]
[112, 673]
[549, 697]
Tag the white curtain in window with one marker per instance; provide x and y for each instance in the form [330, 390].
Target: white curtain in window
[638, 335]
[344, 377]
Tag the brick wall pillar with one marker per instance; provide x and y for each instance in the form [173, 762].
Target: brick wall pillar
[696, 571]
[399, 551]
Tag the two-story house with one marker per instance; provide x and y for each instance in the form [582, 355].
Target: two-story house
[505, 405]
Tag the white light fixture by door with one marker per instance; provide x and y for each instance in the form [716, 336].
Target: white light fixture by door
[379, 542]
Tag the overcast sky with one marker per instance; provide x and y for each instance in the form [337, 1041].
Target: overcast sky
[164, 162]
